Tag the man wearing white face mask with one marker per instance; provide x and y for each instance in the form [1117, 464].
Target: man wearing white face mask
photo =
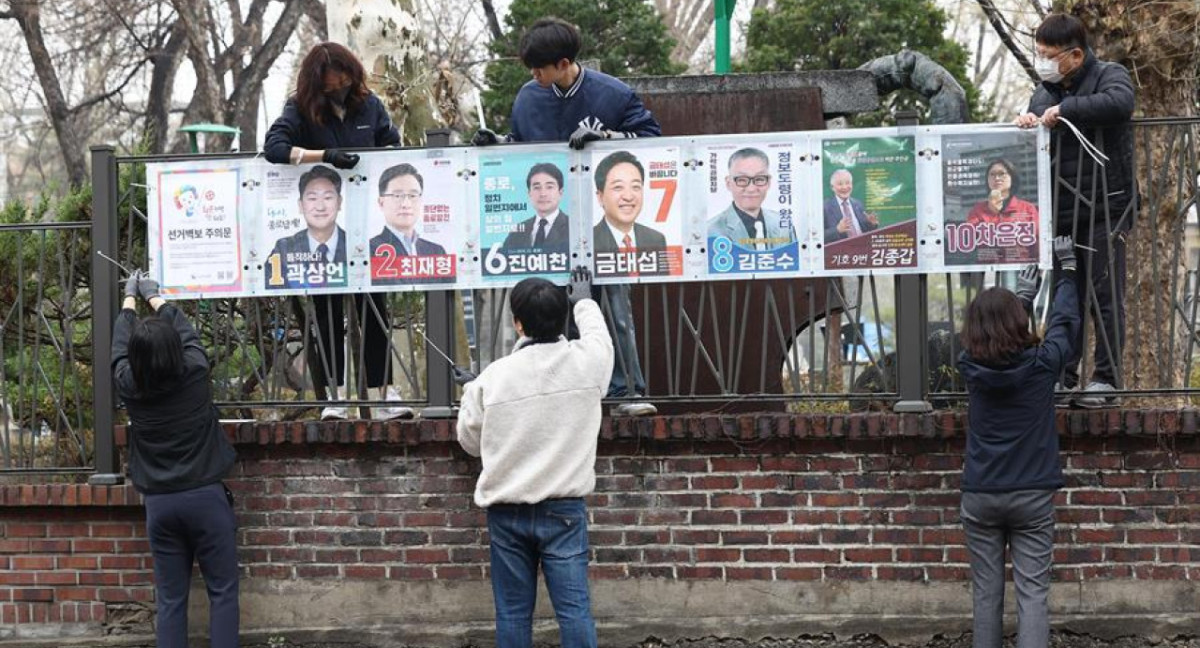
[1097, 98]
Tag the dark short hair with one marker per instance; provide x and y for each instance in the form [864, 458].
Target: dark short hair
[310, 97]
[1012, 173]
[155, 353]
[548, 41]
[318, 172]
[996, 327]
[613, 159]
[747, 153]
[540, 307]
[1062, 30]
[394, 172]
[546, 168]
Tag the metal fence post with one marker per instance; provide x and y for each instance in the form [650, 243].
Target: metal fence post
[912, 324]
[104, 300]
[439, 327]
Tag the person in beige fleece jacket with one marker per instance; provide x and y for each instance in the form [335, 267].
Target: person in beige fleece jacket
[534, 418]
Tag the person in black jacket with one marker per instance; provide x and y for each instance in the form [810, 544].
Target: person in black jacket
[333, 109]
[1097, 97]
[1012, 469]
[178, 456]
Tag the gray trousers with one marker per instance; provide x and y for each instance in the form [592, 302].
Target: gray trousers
[1024, 522]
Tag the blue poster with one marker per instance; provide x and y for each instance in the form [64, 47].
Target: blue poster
[750, 216]
[523, 229]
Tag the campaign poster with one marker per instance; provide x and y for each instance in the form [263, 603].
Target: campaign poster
[990, 198]
[869, 206]
[304, 226]
[523, 229]
[416, 210]
[199, 243]
[637, 212]
[749, 208]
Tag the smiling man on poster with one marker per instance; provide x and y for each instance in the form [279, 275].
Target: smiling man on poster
[745, 221]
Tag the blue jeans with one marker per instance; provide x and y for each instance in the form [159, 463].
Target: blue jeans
[552, 533]
[627, 367]
[190, 526]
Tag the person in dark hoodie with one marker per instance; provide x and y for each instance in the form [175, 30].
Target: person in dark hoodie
[178, 456]
[1012, 467]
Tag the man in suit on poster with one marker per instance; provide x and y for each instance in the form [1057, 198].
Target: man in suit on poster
[845, 216]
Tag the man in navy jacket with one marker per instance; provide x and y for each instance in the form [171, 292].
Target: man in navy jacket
[1097, 97]
[566, 102]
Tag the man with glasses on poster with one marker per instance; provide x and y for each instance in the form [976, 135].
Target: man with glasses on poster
[401, 188]
[746, 222]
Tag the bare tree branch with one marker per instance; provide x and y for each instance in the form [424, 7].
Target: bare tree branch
[997, 21]
[104, 96]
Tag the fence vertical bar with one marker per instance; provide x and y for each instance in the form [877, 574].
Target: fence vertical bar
[912, 323]
[439, 328]
[104, 300]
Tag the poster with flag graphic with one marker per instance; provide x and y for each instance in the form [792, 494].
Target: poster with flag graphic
[749, 220]
[525, 228]
[869, 207]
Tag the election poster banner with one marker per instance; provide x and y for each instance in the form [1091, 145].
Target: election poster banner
[414, 216]
[303, 228]
[524, 229]
[990, 198]
[749, 217]
[637, 214]
[869, 207]
[194, 224]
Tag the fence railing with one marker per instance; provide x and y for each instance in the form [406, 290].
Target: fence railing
[867, 342]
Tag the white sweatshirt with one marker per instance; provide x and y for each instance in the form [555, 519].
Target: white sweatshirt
[534, 416]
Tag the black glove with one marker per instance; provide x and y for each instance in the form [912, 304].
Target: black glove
[485, 137]
[1064, 251]
[147, 287]
[1028, 283]
[131, 284]
[583, 135]
[463, 376]
[580, 287]
[339, 158]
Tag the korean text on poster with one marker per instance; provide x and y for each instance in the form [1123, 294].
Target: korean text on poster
[637, 219]
[199, 247]
[417, 204]
[523, 229]
[990, 195]
[308, 244]
[870, 206]
[749, 219]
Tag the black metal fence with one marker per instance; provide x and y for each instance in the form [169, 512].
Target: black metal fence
[831, 345]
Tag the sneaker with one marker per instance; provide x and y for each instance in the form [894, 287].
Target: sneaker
[335, 413]
[635, 408]
[1067, 400]
[1096, 395]
[390, 412]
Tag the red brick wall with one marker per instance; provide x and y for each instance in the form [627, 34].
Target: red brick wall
[773, 498]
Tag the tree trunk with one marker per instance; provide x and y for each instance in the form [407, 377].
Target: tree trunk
[28, 15]
[162, 81]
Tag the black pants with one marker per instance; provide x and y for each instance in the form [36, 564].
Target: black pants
[1100, 283]
[195, 525]
[331, 327]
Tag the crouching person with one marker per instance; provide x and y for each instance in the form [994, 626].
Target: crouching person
[534, 417]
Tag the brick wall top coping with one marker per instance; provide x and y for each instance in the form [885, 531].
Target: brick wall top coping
[686, 427]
